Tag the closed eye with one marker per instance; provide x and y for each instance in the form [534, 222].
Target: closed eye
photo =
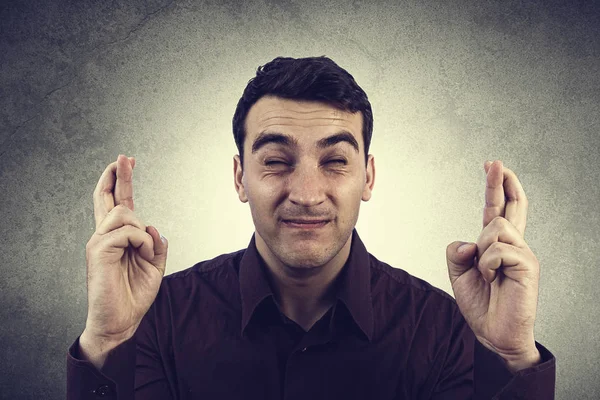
[274, 162]
[279, 162]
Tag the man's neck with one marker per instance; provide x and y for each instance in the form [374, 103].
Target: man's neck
[304, 297]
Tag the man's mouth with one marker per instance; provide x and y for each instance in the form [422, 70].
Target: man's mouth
[305, 223]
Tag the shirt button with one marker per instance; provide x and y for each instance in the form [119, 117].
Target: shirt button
[103, 391]
[304, 349]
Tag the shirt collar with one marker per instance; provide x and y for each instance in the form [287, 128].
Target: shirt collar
[354, 288]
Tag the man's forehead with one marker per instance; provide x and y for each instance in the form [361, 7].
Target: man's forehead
[270, 111]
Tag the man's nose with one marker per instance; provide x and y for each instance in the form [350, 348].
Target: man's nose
[306, 186]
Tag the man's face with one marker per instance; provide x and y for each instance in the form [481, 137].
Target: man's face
[304, 176]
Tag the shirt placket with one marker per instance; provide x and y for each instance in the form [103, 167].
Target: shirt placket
[302, 357]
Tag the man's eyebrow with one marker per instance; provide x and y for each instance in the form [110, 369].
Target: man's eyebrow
[265, 138]
[342, 136]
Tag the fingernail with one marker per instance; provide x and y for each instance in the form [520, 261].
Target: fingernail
[164, 239]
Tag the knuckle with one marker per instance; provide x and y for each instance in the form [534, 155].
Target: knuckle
[121, 209]
[90, 247]
[498, 220]
[495, 247]
[91, 243]
[449, 249]
[482, 263]
[501, 223]
[535, 263]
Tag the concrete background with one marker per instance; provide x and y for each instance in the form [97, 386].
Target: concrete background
[451, 86]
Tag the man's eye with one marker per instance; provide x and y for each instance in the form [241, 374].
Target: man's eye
[337, 161]
[275, 162]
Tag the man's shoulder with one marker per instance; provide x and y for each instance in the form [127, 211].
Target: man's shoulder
[403, 282]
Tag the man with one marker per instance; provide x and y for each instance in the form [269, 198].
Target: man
[305, 312]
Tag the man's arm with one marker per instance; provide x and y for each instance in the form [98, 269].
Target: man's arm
[132, 370]
[471, 371]
[495, 283]
[115, 380]
[494, 380]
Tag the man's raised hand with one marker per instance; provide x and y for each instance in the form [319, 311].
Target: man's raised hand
[495, 281]
[126, 262]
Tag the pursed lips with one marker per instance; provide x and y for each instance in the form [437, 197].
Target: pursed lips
[305, 223]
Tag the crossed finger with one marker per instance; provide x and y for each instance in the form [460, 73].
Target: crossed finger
[498, 234]
[513, 260]
[117, 179]
[504, 196]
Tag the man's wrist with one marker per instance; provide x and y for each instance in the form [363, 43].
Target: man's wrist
[515, 364]
[95, 348]
[516, 360]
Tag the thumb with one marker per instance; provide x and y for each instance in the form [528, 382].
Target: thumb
[460, 257]
[161, 245]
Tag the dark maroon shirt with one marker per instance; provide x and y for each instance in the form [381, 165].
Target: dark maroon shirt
[215, 332]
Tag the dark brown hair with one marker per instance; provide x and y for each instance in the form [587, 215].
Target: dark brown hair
[310, 78]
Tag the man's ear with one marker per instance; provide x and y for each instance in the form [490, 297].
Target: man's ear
[370, 178]
[238, 175]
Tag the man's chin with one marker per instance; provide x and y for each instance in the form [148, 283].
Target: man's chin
[304, 257]
[299, 252]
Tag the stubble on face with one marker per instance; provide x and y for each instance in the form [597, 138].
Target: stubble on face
[308, 184]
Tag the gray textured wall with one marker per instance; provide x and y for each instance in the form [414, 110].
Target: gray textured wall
[451, 85]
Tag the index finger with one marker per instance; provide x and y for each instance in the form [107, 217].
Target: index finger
[104, 200]
[494, 193]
